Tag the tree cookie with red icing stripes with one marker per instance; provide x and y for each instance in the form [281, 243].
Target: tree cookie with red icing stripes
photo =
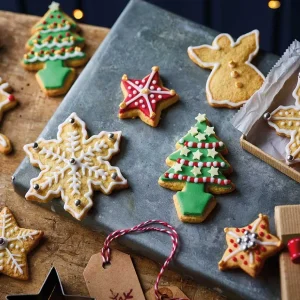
[197, 171]
[7, 101]
[249, 246]
[145, 98]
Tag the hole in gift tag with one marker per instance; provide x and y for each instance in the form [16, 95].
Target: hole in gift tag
[106, 265]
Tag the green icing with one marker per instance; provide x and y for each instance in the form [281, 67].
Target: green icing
[54, 74]
[193, 199]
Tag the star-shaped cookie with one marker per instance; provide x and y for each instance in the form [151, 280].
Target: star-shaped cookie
[15, 243]
[145, 98]
[7, 101]
[249, 246]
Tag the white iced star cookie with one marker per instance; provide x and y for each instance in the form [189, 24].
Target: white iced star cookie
[200, 137]
[73, 166]
[15, 244]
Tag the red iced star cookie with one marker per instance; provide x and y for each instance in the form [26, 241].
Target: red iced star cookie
[249, 246]
[145, 98]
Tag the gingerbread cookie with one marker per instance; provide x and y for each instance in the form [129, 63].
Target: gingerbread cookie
[197, 168]
[7, 101]
[249, 246]
[74, 165]
[15, 244]
[54, 49]
[145, 98]
[233, 79]
[286, 121]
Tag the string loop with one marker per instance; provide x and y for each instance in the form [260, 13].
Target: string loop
[143, 227]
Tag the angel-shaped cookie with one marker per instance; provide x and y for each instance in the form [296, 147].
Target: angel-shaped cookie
[7, 101]
[233, 79]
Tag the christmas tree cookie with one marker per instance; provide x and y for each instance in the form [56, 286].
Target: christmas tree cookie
[73, 166]
[248, 247]
[233, 79]
[15, 244]
[7, 101]
[54, 49]
[145, 98]
[197, 169]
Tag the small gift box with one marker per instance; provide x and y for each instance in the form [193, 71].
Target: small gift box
[287, 219]
[280, 88]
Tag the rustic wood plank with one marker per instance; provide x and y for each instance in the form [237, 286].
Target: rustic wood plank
[66, 245]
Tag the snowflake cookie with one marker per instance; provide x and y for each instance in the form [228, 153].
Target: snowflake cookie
[7, 101]
[74, 165]
[145, 98]
[15, 243]
[286, 121]
[249, 246]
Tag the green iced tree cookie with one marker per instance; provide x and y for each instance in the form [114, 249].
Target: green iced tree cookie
[54, 49]
[197, 172]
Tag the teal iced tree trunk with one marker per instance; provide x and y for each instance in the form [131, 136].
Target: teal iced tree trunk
[200, 166]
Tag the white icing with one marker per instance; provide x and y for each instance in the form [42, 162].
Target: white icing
[87, 163]
[54, 44]
[287, 132]
[67, 55]
[216, 65]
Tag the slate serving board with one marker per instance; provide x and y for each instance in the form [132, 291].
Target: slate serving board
[143, 36]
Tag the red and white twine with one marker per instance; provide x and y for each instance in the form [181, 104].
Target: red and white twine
[143, 227]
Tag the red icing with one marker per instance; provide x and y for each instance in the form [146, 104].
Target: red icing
[230, 250]
[243, 230]
[38, 36]
[68, 34]
[242, 257]
[262, 226]
[235, 245]
[268, 237]
[234, 259]
[245, 263]
[261, 234]
[258, 259]
[249, 226]
[231, 241]
[59, 16]
[51, 17]
[63, 21]
[257, 252]
[44, 22]
[60, 36]
[133, 88]
[262, 248]
[54, 23]
[11, 98]
[237, 230]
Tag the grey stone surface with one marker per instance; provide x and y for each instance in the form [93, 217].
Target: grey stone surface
[144, 36]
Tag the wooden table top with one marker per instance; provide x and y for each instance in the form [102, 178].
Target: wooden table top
[66, 245]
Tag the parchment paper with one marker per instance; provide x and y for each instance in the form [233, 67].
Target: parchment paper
[276, 90]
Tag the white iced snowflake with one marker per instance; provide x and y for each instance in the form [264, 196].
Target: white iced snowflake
[74, 165]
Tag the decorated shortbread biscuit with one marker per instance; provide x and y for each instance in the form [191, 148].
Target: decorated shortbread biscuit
[15, 244]
[145, 98]
[54, 49]
[233, 79]
[197, 168]
[74, 165]
[249, 246]
[286, 121]
[7, 101]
